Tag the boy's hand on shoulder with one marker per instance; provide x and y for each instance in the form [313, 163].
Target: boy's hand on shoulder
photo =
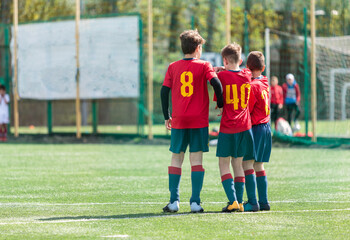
[221, 111]
[219, 69]
[168, 124]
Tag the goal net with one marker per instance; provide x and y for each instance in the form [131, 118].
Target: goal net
[288, 54]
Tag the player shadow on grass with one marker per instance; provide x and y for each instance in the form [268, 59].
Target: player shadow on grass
[124, 216]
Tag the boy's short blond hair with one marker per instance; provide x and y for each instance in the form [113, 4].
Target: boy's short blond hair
[232, 53]
[190, 40]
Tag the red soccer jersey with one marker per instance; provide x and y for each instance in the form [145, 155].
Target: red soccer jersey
[236, 92]
[187, 80]
[276, 94]
[259, 105]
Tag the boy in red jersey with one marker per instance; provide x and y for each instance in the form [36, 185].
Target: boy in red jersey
[276, 99]
[260, 115]
[235, 137]
[187, 79]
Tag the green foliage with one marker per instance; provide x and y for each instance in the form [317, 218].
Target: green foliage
[171, 17]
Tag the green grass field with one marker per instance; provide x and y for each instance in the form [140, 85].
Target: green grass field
[117, 192]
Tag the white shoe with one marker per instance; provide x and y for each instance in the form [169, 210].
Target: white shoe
[196, 208]
[297, 125]
[172, 207]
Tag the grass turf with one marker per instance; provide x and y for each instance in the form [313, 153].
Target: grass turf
[118, 191]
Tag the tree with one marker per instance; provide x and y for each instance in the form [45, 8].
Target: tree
[5, 7]
[174, 24]
[210, 26]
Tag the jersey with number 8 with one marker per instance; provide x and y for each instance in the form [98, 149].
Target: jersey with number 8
[236, 93]
[187, 80]
[259, 106]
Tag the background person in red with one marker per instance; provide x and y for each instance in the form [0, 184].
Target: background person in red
[291, 93]
[276, 99]
[187, 79]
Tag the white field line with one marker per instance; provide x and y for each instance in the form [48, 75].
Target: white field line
[151, 203]
[164, 215]
[116, 236]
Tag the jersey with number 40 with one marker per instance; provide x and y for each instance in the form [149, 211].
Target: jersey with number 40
[259, 106]
[236, 92]
[187, 80]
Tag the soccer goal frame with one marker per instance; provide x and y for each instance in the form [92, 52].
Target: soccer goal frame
[332, 74]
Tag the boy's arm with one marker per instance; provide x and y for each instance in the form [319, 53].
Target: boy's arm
[7, 98]
[284, 91]
[216, 84]
[297, 93]
[164, 96]
[279, 97]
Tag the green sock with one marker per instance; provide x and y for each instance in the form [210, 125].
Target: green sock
[227, 183]
[197, 177]
[250, 185]
[239, 187]
[261, 182]
[174, 183]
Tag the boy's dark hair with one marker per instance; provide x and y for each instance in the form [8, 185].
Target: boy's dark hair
[232, 52]
[256, 61]
[2, 87]
[190, 39]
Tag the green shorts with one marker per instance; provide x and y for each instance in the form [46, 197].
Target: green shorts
[236, 145]
[197, 138]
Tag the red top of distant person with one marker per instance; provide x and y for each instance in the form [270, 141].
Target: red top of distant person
[276, 94]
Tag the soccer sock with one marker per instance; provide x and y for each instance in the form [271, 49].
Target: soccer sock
[239, 187]
[5, 131]
[174, 183]
[250, 185]
[197, 177]
[261, 182]
[1, 132]
[227, 183]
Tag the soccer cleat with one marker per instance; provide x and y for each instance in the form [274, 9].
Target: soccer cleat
[250, 207]
[264, 206]
[241, 207]
[196, 208]
[172, 207]
[231, 207]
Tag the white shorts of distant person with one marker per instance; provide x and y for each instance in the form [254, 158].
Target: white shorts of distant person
[4, 117]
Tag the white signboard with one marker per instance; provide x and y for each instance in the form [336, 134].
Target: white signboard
[109, 59]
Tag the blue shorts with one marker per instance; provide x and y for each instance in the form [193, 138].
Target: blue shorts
[262, 141]
[197, 138]
[236, 145]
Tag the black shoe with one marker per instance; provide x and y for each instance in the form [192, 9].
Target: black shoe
[248, 207]
[264, 206]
